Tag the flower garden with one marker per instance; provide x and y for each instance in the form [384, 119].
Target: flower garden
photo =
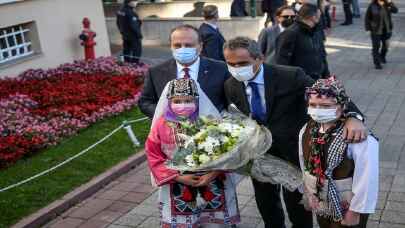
[39, 108]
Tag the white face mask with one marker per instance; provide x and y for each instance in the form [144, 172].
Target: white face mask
[242, 74]
[133, 4]
[298, 6]
[321, 115]
[185, 55]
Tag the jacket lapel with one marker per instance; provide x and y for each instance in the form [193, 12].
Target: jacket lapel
[269, 88]
[203, 71]
[171, 70]
[240, 96]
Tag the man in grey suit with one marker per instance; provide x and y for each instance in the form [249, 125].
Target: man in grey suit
[186, 46]
[285, 16]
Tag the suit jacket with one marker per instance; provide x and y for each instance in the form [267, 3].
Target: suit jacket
[213, 42]
[267, 42]
[285, 105]
[211, 76]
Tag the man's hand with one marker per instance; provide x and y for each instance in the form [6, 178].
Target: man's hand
[354, 131]
[207, 178]
[351, 218]
[189, 179]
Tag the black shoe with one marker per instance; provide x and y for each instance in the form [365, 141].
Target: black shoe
[378, 66]
[346, 23]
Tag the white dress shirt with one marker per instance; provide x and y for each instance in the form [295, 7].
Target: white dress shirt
[193, 70]
[259, 80]
[214, 26]
[365, 177]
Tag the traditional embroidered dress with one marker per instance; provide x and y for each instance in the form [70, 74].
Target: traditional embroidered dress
[183, 206]
[338, 176]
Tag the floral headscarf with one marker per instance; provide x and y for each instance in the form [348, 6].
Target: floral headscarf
[330, 87]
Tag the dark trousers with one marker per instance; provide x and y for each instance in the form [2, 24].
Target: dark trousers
[132, 50]
[348, 11]
[268, 201]
[380, 46]
[327, 223]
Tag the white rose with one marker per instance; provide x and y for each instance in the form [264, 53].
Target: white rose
[203, 158]
[190, 161]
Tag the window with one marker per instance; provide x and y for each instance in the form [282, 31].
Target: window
[15, 42]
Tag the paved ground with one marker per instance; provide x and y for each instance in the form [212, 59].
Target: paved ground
[380, 94]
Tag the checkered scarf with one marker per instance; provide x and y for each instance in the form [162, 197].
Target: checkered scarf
[336, 153]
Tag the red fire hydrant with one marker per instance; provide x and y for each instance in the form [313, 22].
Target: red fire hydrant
[87, 38]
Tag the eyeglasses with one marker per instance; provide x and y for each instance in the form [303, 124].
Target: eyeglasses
[288, 16]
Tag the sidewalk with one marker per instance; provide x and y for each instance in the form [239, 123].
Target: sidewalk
[130, 201]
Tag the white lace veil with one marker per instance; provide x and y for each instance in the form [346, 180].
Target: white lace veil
[205, 106]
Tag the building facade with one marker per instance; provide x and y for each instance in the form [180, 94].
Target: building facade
[44, 33]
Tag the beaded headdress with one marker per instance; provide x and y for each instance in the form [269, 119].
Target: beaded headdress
[182, 87]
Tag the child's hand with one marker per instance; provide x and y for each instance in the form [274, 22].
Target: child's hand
[207, 178]
[188, 179]
[351, 218]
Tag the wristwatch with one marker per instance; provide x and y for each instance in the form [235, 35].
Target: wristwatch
[355, 115]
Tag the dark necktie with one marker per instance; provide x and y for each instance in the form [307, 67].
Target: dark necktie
[186, 72]
[257, 109]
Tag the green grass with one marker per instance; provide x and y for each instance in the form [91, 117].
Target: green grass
[21, 201]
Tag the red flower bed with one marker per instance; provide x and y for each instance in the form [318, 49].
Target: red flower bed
[40, 107]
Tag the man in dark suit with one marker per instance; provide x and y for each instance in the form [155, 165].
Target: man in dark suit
[186, 47]
[211, 37]
[273, 95]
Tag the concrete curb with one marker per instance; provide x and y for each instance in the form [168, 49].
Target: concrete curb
[81, 193]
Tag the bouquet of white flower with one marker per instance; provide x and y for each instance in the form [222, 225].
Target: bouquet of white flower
[233, 143]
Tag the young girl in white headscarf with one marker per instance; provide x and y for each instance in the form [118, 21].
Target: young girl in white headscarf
[187, 200]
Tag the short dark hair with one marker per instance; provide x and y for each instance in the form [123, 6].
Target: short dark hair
[185, 27]
[210, 12]
[280, 10]
[308, 10]
[246, 43]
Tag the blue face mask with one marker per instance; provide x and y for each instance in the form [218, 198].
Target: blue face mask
[185, 55]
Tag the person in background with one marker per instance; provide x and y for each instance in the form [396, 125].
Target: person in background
[378, 21]
[212, 39]
[340, 184]
[270, 8]
[348, 12]
[285, 16]
[302, 44]
[238, 8]
[129, 25]
[356, 8]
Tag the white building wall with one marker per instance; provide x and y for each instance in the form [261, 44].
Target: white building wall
[59, 23]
